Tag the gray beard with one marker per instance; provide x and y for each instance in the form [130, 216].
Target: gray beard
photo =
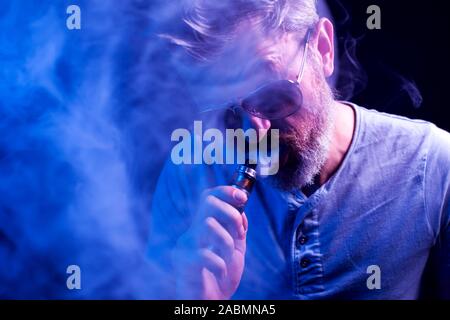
[304, 148]
[303, 163]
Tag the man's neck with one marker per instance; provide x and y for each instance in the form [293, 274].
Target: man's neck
[341, 139]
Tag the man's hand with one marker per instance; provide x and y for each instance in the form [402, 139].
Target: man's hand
[209, 257]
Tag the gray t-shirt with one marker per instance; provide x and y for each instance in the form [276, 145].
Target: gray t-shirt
[377, 229]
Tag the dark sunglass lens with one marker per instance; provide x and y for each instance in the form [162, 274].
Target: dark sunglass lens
[274, 101]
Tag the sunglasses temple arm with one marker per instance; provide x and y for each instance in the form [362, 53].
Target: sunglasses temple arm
[220, 107]
[302, 67]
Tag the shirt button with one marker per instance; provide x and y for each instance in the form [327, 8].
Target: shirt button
[305, 262]
[302, 240]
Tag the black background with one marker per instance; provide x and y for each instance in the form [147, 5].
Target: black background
[413, 44]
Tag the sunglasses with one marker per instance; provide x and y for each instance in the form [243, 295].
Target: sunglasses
[274, 100]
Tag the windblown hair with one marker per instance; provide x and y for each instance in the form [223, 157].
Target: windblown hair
[213, 23]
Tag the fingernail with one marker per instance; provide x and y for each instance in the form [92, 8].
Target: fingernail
[240, 196]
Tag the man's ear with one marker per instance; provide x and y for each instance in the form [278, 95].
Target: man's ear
[324, 44]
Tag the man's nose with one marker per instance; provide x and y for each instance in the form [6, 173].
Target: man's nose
[260, 125]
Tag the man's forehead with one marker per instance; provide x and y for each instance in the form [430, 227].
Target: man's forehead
[251, 48]
[247, 61]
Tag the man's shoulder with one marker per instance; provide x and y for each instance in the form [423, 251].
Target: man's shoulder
[398, 133]
[390, 125]
[440, 144]
[410, 148]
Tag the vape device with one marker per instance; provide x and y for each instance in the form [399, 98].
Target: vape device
[244, 178]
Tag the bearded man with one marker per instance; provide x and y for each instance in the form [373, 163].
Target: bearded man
[360, 206]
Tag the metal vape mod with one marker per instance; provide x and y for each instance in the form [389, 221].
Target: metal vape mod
[244, 178]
